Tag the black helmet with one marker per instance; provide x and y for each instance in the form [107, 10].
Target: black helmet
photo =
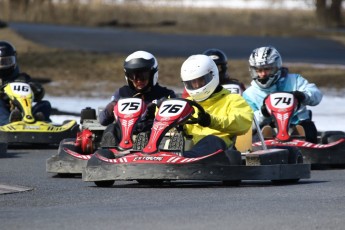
[221, 61]
[141, 61]
[8, 60]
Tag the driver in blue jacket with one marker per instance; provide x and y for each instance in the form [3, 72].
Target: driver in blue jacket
[265, 66]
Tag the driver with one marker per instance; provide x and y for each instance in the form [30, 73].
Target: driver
[221, 60]
[141, 73]
[227, 115]
[265, 66]
[9, 72]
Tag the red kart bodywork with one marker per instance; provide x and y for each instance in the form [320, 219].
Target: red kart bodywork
[153, 163]
[282, 107]
[73, 154]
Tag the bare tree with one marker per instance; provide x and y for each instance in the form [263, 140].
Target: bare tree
[328, 12]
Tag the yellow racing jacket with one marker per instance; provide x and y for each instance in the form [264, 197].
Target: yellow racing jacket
[230, 116]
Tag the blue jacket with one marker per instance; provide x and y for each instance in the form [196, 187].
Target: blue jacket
[287, 82]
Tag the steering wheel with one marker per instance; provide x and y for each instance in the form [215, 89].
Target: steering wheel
[194, 120]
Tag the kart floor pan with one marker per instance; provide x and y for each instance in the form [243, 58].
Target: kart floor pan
[195, 172]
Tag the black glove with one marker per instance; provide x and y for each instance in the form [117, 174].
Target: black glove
[3, 96]
[110, 108]
[150, 111]
[204, 119]
[23, 77]
[38, 91]
[159, 101]
[300, 96]
[264, 111]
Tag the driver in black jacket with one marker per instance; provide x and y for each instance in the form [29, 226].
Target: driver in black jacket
[9, 72]
[141, 72]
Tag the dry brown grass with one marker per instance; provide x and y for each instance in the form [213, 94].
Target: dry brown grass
[92, 74]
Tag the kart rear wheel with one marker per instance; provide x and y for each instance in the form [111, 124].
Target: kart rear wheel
[295, 157]
[152, 183]
[326, 137]
[105, 183]
[66, 175]
[108, 137]
[334, 138]
[232, 183]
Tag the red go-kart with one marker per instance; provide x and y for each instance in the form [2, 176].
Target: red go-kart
[330, 149]
[157, 162]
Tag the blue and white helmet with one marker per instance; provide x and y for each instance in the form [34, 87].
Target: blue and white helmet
[265, 57]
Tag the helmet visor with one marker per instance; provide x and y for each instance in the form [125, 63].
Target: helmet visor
[138, 75]
[199, 82]
[6, 62]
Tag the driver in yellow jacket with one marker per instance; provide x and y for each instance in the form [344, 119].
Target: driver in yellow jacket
[227, 115]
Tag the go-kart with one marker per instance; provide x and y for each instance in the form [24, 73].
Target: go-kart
[157, 163]
[73, 153]
[28, 130]
[330, 149]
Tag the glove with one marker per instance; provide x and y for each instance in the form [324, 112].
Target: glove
[23, 77]
[158, 102]
[110, 108]
[204, 119]
[150, 111]
[264, 111]
[38, 91]
[300, 96]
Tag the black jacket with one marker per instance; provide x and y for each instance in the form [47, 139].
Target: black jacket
[106, 117]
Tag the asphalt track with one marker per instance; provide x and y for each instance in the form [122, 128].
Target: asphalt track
[109, 40]
[69, 203]
[50, 202]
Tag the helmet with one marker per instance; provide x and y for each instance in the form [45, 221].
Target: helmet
[141, 61]
[8, 60]
[221, 61]
[265, 57]
[200, 76]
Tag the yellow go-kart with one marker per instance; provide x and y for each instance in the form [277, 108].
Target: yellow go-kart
[29, 130]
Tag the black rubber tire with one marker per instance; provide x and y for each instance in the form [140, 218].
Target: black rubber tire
[325, 135]
[105, 183]
[295, 157]
[106, 153]
[234, 157]
[108, 137]
[334, 138]
[232, 183]
[66, 140]
[110, 155]
[284, 182]
[66, 175]
[87, 114]
[71, 147]
[152, 183]
[3, 149]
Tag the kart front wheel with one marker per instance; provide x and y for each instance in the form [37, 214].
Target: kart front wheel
[105, 183]
[152, 182]
[232, 183]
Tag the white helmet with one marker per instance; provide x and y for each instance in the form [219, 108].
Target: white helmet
[265, 57]
[203, 68]
[141, 61]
